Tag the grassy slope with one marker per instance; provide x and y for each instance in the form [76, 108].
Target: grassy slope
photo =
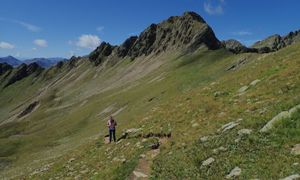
[184, 96]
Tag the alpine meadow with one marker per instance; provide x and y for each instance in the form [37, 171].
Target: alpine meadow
[187, 105]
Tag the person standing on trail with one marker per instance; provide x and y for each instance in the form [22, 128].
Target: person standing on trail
[111, 124]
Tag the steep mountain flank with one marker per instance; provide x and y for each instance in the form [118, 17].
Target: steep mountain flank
[4, 67]
[184, 33]
[23, 71]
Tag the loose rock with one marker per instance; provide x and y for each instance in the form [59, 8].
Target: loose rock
[292, 177]
[204, 138]
[234, 173]
[208, 161]
[139, 174]
[243, 89]
[228, 126]
[296, 150]
[253, 83]
[195, 125]
[220, 149]
[244, 132]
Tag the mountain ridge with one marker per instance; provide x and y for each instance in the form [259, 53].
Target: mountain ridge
[181, 113]
[186, 32]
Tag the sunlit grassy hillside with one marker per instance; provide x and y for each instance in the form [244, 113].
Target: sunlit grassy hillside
[189, 96]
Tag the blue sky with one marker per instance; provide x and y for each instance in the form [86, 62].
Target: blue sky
[61, 28]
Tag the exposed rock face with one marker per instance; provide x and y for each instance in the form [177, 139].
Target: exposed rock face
[59, 64]
[23, 71]
[4, 67]
[184, 33]
[72, 61]
[29, 109]
[123, 50]
[237, 47]
[101, 52]
[273, 42]
[187, 32]
[276, 42]
[234, 46]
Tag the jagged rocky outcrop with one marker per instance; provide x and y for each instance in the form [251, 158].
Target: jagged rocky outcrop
[237, 47]
[73, 61]
[4, 67]
[123, 50]
[101, 53]
[234, 46]
[184, 33]
[276, 42]
[59, 64]
[23, 71]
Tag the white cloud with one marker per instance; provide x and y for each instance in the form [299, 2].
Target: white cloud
[40, 42]
[99, 28]
[34, 49]
[6, 45]
[242, 33]
[214, 9]
[88, 41]
[28, 26]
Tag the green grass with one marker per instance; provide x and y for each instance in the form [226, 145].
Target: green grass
[67, 124]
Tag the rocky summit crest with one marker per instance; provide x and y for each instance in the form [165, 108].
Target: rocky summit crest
[185, 33]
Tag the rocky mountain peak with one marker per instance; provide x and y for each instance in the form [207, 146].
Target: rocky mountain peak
[181, 33]
[194, 16]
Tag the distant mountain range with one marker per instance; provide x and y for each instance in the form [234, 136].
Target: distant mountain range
[43, 62]
[11, 61]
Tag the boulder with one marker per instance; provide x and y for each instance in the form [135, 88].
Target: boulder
[292, 177]
[279, 117]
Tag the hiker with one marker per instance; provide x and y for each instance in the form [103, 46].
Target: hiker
[111, 124]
